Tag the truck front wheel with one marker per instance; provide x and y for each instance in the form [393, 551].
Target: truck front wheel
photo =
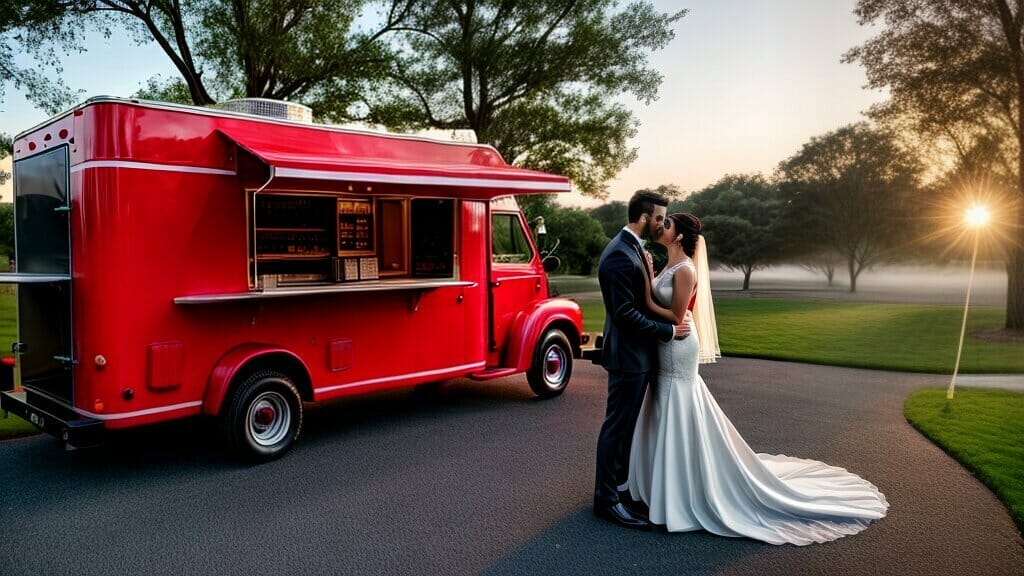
[264, 417]
[552, 365]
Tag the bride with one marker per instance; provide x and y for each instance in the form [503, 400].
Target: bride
[688, 463]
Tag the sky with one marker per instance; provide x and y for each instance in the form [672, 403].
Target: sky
[746, 83]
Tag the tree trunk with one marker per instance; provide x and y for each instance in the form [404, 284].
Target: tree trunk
[746, 278]
[1015, 262]
[852, 266]
[1015, 278]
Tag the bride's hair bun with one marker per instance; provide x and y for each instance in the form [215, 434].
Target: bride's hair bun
[691, 223]
[690, 227]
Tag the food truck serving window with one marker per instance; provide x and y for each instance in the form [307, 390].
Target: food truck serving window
[294, 238]
[306, 239]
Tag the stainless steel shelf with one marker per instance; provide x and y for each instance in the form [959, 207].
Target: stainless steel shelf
[353, 287]
[27, 278]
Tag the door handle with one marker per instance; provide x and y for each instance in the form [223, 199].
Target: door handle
[66, 360]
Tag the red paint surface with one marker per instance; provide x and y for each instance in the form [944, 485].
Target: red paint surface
[141, 238]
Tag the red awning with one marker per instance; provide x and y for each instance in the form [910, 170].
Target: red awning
[331, 160]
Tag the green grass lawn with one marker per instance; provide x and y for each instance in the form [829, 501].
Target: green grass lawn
[12, 425]
[902, 337]
[983, 430]
[8, 320]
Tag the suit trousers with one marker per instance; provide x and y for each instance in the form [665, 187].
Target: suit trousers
[625, 397]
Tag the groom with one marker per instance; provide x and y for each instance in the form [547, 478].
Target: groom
[629, 353]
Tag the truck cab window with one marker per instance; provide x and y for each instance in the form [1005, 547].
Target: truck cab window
[509, 242]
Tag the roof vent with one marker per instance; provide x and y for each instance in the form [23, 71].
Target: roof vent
[269, 108]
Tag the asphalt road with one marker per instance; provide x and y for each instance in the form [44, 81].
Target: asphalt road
[479, 478]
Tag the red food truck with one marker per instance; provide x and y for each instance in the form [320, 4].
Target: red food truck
[176, 261]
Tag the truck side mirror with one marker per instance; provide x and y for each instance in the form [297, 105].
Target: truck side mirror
[551, 263]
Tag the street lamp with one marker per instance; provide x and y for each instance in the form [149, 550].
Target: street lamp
[976, 217]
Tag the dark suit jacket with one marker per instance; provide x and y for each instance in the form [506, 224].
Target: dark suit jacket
[630, 333]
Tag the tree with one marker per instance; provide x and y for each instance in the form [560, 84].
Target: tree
[45, 93]
[33, 25]
[851, 190]
[973, 178]
[741, 214]
[822, 261]
[165, 90]
[579, 236]
[297, 49]
[280, 49]
[611, 216]
[6, 149]
[669, 191]
[539, 80]
[534, 205]
[955, 73]
[7, 230]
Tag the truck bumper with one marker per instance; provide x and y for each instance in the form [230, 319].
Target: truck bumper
[591, 349]
[53, 418]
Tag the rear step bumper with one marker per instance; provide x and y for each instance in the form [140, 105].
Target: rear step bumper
[592, 349]
[53, 418]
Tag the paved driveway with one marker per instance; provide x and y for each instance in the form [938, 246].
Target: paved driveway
[480, 478]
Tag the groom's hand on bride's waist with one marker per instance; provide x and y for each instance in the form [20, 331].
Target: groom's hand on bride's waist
[682, 330]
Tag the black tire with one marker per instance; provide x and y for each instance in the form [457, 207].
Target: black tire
[263, 418]
[551, 368]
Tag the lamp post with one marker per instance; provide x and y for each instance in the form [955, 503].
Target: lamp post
[976, 218]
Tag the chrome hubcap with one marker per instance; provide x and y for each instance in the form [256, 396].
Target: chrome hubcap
[269, 419]
[554, 367]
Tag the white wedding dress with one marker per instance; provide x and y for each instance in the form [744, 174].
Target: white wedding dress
[694, 470]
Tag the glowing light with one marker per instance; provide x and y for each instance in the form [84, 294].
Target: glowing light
[977, 216]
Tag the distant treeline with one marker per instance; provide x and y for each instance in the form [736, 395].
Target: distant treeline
[848, 200]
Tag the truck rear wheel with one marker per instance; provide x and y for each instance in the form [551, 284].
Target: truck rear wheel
[552, 365]
[264, 417]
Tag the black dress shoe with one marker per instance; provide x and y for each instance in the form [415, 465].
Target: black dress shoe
[636, 507]
[619, 514]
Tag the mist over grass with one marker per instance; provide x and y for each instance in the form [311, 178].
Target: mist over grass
[900, 337]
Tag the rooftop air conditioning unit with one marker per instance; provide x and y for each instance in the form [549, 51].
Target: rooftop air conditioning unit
[269, 108]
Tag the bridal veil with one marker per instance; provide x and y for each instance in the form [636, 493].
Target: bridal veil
[704, 308]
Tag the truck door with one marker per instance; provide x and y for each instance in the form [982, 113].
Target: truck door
[516, 275]
[43, 259]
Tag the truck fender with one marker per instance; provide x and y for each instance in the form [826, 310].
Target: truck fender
[531, 323]
[219, 383]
